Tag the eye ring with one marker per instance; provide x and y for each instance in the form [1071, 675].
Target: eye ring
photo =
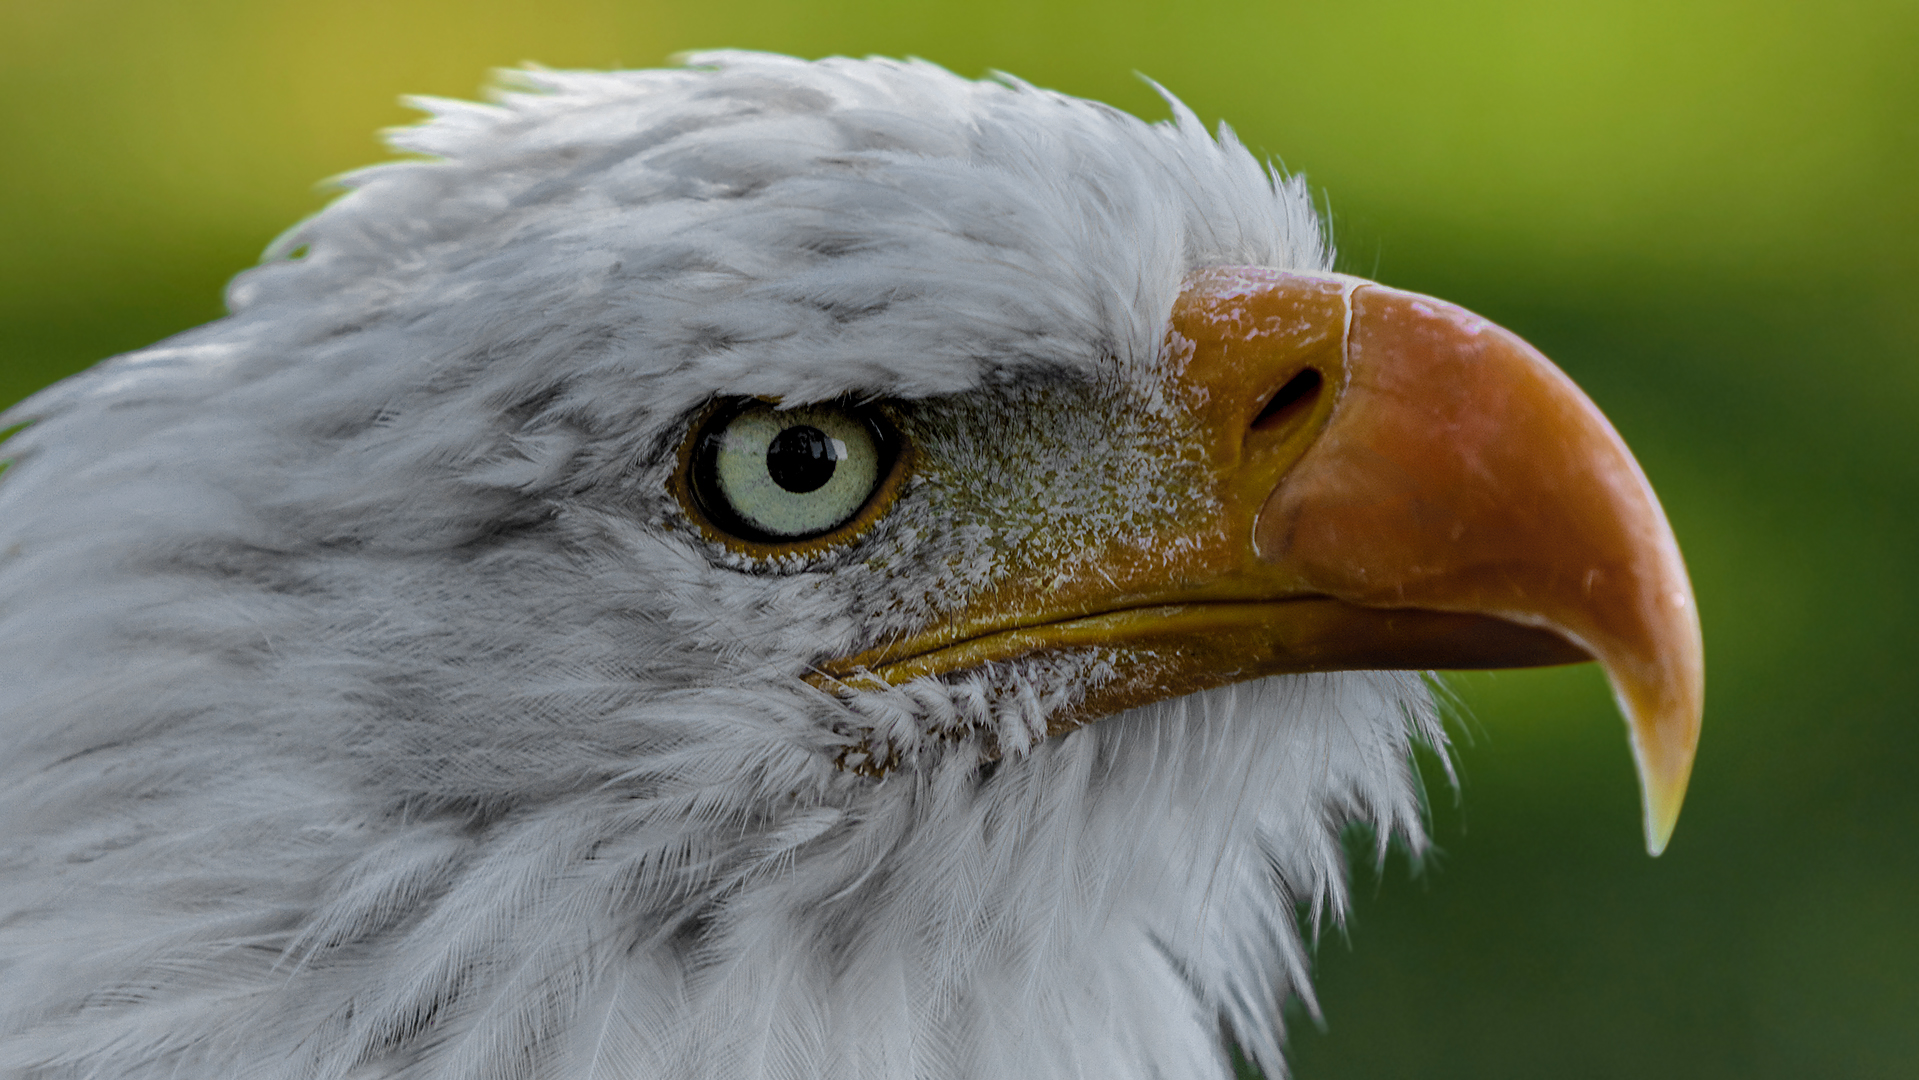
[768, 481]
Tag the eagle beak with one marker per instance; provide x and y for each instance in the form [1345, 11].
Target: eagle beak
[1447, 468]
[1394, 483]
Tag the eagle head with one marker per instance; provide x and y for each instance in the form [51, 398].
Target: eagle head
[771, 569]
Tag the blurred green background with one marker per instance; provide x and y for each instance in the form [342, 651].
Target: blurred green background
[1707, 212]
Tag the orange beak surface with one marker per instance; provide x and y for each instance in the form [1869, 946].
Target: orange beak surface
[1401, 485]
[1461, 472]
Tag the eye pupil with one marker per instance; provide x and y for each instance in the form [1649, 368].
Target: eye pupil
[802, 458]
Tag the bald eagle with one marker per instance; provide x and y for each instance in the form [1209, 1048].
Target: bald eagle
[771, 569]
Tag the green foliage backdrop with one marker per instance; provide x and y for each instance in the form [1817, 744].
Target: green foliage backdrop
[1705, 210]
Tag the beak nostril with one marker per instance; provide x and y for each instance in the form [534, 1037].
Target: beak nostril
[1296, 397]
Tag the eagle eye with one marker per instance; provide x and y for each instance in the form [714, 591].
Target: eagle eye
[772, 476]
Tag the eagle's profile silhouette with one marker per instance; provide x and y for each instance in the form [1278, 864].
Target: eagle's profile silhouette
[770, 569]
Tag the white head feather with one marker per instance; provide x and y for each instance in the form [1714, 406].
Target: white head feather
[370, 711]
